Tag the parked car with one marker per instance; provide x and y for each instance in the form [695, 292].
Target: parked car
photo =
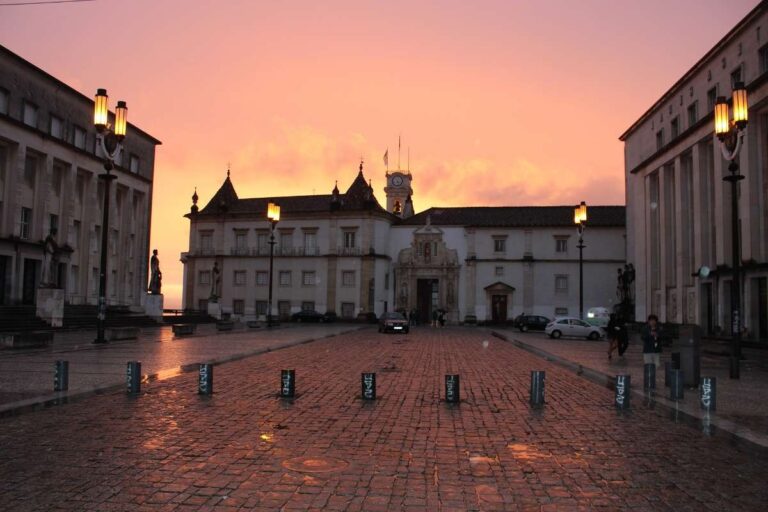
[393, 322]
[598, 316]
[573, 327]
[310, 315]
[531, 322]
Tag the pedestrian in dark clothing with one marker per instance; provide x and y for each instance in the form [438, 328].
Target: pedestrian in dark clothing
[623, 336]
[612, 333]
[652, 336]
[434, 318]
[441, 318]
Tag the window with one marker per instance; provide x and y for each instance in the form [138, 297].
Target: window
[736, 76]
[133, 166]
[56, 127]
[674, 128]
[659, 139]
[57, 178]
[561, 284]
[561, 245]
[348, 310]
[261, 308]
[561, 311]
[308, 278]
[129, 283]
[499, 271]
[763, 58]
[349, 239]
[79, 138]
[94, 280]
[262, 242]
[310, 241]
[96, 239]
[286, 240]
[74, 235]
[206, 241]
[308, 306]
[30, 170]
[348, 278]
[239, 278]
[29, 114]
[204, 277]
[4, 101]
[386, 281]
[284, 308]
[693, 113]
[262, 278]
[238, 307]
[53, 222]
[711, 99]
[74, 285]
[500, 244]
[25, 224]
[241, 240]
[285, 278]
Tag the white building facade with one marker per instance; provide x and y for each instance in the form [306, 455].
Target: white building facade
[49, 168]
[345, 253]
[679, 207]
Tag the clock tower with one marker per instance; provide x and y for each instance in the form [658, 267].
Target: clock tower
[398, 191]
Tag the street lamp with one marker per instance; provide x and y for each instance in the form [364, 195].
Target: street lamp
[273, 214]
[730, 132]
[580, 219]
[110, 138]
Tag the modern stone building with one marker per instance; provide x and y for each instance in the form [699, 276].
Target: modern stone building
[344, 252]
[678, 206]
[49, 167]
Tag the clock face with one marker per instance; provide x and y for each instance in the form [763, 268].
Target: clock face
[397, 181]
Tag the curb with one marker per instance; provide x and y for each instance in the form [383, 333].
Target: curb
[64, 397]
[707, 424]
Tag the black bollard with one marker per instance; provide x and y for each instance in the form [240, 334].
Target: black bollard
[133, 375]
[537, 388]
[675, 360]
[452, 389]
[368, 381]
[676, 385]
[667, 373]
[708, 393]
[623, 383]
[61, 376]
[205, 379]
[288, 383]
[649, 376]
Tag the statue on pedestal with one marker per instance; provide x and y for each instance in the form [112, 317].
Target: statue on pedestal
[215, 282]
[155, 276]
[49, 277]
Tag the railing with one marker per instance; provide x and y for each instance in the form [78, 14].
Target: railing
[264, 251]
[348, 251]
[239, 251]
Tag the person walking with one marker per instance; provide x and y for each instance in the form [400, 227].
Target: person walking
[441, 318]
[612, 332]
[623, 335]
[434, 318]
[652, 336]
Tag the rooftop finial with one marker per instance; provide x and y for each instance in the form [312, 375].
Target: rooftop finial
[361, 164]
[227, 169]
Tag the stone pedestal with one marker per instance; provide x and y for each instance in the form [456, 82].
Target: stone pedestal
[50, 306]
[153, 307]
[214, 310]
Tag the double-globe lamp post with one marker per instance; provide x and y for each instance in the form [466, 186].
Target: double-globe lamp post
[273, 214]
[580, 219]
[110, 138]
[730, 131]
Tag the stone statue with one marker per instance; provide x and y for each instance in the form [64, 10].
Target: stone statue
[49, 277]
[215, 282]
[155, 276]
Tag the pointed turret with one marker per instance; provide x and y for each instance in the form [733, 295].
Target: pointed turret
[223, 199]
[408, 208]
[194, 207]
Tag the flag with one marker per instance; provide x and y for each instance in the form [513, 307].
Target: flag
[386, 158]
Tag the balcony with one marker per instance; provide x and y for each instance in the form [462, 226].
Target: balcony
[239, 251]
[348, 251]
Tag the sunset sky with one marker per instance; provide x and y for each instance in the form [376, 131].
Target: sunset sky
[501, 102]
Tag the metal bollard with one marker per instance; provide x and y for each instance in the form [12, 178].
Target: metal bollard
[61, 376]
[649, 376]
[205, 379]
[452, 389]
[288, 383]
[537, 388]
[623, 383]
[133, 375]
[676, 385]
[667, 373]
[708, 393]
[368, 381]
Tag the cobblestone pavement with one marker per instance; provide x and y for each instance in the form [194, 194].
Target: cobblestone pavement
[246, 449]
[26, 376]
[742, 405]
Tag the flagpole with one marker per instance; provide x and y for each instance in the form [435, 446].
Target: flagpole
[398, 152]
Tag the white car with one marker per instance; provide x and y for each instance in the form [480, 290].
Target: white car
[573, 327]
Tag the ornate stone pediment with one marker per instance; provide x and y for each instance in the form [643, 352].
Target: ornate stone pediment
[499, 288]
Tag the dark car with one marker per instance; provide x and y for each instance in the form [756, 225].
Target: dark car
[531, 323]
[310, 315]
[393, 322]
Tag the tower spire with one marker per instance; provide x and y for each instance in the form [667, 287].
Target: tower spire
[398, 152]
